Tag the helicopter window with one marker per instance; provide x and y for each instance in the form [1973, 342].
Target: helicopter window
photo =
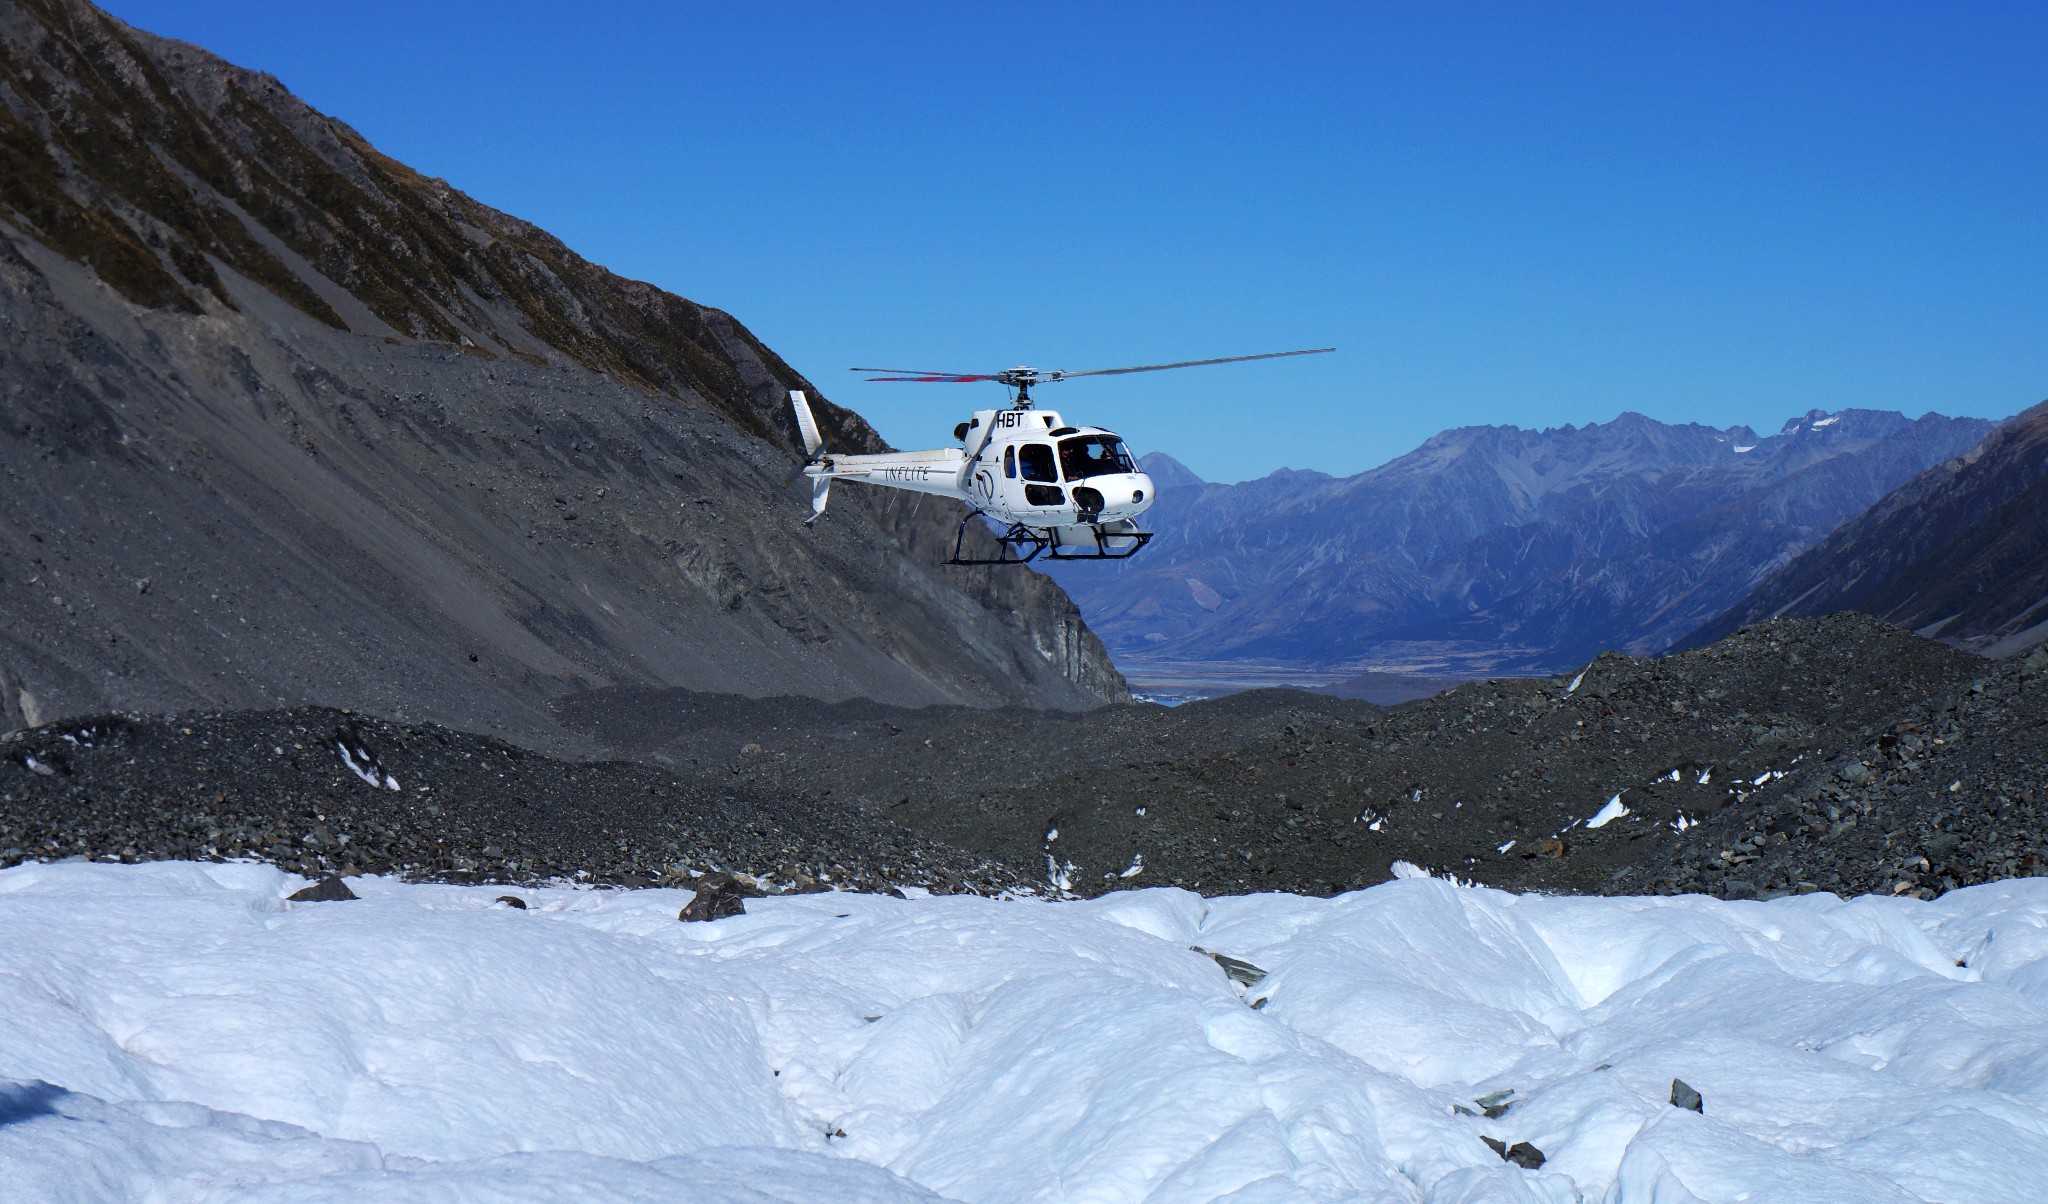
[1010, 461]
[1094, 455]
[1035, 460]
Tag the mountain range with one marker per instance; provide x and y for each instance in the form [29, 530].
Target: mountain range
[1493, 549]
[284, 421]
[1960, 552]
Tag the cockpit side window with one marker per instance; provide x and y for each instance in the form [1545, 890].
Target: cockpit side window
[1010, 461]
[1087, 456]
[1034, 460]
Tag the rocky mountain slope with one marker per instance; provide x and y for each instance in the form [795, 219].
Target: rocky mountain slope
[284, 422]
[1959, 552]
[1494, 549]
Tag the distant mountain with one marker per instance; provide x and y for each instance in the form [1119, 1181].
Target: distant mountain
[283, 421]
[1959, 552]
[1495, 549]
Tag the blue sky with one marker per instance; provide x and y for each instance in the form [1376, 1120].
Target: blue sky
[1522, 213]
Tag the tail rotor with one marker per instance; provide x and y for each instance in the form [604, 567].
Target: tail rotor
[816, 447]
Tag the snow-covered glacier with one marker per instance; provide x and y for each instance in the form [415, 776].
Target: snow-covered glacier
[181, 1031]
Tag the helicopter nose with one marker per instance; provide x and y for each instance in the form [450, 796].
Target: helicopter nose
[1136, 497]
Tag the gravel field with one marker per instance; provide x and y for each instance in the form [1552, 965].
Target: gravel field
[1837, 754]
[322, 792]
[1502, 782]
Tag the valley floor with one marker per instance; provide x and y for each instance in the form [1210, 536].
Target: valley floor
[181, 1031]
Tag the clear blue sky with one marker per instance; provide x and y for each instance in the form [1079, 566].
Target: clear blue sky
[1527, 213]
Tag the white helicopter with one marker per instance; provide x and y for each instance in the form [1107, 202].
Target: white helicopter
[1068, 492]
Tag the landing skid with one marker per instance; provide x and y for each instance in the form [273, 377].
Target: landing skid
[1020, 544]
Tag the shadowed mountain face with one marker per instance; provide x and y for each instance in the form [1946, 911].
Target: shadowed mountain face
[284, 422]
[1959, 552]
[1494, 549]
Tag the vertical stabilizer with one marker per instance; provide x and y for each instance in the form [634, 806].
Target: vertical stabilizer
[805, 424]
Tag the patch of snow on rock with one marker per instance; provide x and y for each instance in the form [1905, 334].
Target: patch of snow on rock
[1608, 814]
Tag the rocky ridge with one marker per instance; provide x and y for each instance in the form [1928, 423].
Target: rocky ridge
[1960, 552]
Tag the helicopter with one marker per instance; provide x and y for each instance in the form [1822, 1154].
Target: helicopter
[1064, 492]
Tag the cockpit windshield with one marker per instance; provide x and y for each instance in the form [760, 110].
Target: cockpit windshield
[1086, 456]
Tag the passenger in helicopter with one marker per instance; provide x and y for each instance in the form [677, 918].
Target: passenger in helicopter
[1034, 463]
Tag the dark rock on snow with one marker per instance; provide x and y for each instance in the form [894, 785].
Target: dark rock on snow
[718, 896]
[330, 889]
[1521, 1153]
[1236, 969]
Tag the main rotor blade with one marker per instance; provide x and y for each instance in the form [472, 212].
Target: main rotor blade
[930, 379]
[1232, 359]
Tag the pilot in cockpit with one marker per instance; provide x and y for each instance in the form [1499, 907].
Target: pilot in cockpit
[1092, 456]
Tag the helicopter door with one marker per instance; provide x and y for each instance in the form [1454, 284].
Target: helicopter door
[1036, 465]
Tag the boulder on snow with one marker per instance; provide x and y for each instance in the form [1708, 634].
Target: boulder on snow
[1683, 1096]
[1235, 969]
[1522, 1154]
[718, 897]
[328, 890]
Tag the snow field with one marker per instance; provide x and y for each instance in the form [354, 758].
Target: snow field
[179, 1032]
